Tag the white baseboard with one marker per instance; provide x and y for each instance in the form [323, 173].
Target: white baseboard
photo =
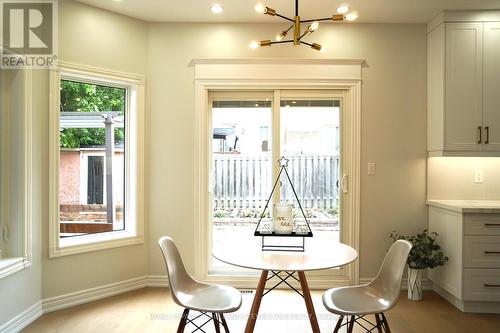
[92, 294]
[23, 319]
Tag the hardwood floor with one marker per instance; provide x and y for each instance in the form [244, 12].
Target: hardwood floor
[152, 310]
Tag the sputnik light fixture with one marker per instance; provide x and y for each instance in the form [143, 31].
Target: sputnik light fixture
[298, 34]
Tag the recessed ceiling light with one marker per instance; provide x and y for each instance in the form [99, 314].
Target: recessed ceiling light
[342, 9]
[216, 8]
[351, 16]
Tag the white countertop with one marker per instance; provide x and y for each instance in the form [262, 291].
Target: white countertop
[467, 206]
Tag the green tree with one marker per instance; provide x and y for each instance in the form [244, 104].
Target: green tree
[86, 97]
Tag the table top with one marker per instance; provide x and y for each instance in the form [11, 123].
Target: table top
[318, 255]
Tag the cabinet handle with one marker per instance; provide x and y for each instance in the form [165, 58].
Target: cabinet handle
[491, 252]
[480, 130]
[487, 128]
[492, 285]
[492, 225]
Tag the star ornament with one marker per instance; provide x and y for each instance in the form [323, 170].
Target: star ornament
[283, 161]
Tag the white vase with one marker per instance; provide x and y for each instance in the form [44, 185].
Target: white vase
[415, 284]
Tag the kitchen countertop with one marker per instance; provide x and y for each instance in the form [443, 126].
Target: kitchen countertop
[467, 206]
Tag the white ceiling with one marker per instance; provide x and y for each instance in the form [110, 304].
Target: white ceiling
[386, 11]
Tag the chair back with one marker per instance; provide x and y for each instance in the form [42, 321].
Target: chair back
[388, 280]
[178, 279]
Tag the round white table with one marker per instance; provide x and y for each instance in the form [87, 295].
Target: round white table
[318, 255]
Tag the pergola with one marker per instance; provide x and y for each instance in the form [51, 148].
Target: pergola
[109, 120]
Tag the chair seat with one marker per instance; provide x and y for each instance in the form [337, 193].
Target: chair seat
[355, 300]
[210, 298]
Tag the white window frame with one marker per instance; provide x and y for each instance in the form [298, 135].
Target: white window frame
[10, 265]
[343, 76]
[134, 165]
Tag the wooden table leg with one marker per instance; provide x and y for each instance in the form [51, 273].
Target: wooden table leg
[309, 303]
[254, 312]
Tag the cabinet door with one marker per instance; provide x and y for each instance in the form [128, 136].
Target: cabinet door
[463, 96]
[491, 84]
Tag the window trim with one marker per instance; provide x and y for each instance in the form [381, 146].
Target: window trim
[134, 159]
[11, 265]
[278, 74]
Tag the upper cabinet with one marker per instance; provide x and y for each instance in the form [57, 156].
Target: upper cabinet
[464, 87]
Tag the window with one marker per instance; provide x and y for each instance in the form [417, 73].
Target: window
[97, 138]
[15, 171]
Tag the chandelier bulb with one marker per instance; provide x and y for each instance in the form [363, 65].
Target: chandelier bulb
[254, 44]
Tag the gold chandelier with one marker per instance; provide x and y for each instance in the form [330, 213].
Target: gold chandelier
[298, 34]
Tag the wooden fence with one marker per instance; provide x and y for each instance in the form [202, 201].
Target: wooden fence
[242, 181]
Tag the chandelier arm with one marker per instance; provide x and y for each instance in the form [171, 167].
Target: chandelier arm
[304, 34]
[282, 41]
[317, 20]
[308, 44]
[284, 17]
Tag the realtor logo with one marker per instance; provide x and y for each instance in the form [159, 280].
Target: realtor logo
[28, 34]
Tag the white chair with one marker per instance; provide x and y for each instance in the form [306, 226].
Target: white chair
[212, 301]
[375, 298]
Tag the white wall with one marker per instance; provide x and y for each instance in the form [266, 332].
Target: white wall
[93, 37]
[393, 122]
[451, 178]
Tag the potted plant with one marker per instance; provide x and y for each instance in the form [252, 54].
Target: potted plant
[425, 253]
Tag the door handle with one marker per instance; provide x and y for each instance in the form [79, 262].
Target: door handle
[487, 128]
[480, 131]
[491, 252]
[492, 285]
[344, 183]
[492, 225]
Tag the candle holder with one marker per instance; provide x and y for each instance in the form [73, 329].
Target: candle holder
[282, 234]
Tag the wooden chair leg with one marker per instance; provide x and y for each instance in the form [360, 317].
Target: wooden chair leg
[216, 322]
[224, 324]
[182, 322]
[351, 325]
[387, 329]
[339, 323]
[254, 311]
[379, 323]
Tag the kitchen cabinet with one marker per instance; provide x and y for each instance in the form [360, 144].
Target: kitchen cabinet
[469, 234]
[464, 89]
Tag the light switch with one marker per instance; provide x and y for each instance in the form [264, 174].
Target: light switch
[372, 168]
[478, 176]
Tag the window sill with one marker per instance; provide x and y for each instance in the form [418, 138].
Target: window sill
[9, 266]
[90, 243]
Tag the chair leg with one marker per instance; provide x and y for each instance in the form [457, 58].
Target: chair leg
[351, 325]
[216, 322]
[182, 322]
[387, 329]
[379, 323]
[339, 323]
[224, 324]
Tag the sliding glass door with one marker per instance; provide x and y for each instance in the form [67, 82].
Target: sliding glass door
[250, 131]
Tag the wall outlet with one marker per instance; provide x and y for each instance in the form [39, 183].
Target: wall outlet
[372, 168]
[478, 176]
